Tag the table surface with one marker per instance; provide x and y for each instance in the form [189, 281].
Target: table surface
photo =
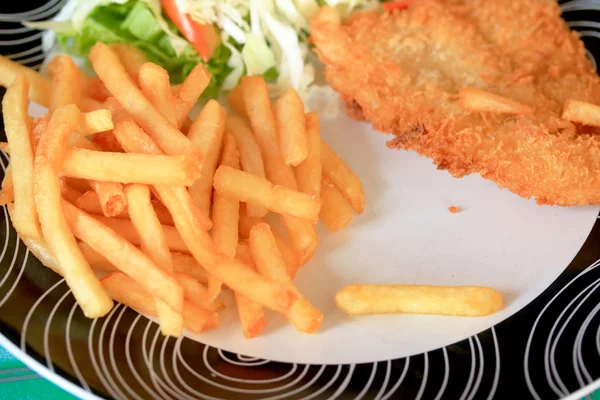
[19, 382]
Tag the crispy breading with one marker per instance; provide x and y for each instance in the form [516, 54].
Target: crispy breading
[403, 71]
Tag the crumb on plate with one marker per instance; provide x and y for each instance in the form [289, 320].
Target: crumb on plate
[454, 209]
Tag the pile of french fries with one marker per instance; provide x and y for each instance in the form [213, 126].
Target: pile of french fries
[119, 192]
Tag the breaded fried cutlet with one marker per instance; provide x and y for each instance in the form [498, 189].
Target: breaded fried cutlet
[403, 71]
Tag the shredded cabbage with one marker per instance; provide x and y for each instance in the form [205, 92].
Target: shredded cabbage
[272, 33]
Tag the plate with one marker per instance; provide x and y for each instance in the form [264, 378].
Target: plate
[544, 344]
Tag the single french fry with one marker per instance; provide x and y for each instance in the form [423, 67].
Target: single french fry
[196, 293]
[190, 90]
[242, 186]
[335, 213]
[124, 255]
[111, 71]
[302, 234]
[252, 314]
[94, 89]
[235, 98]
[86, 288]
[131, 168]
[66, 82]
[94, 122]
[106, 141]
[479, 100]
[243, 254]
[154, 82]
[290, 258]
[127, 291]
[16, 123]
[125, 228]
[302, 314]
[308, 172]
[291, 127]
[233, 273]
[7, 194]
[206, 133]
[154, 244]
[130, 57]
[134, 140]
[89, 202]
[582, 112]
[467, 301]
[336, 170]
[250, 156]
[225, 215]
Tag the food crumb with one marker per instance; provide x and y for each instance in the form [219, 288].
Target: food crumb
[454, 209]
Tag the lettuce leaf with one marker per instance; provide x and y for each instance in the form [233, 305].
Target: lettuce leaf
[135, 24]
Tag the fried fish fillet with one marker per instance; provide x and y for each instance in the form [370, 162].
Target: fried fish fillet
[403, 71]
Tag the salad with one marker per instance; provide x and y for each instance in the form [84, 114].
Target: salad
[232, 38]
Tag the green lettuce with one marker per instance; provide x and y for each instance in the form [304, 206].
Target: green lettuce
[135, 24]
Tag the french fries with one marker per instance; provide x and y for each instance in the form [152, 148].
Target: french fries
[110, 194]
[125, 228]
[226, 214]
[154, 82]
[335, 213]
[467, 301]
[16, 122]
[196, 293]
[233, 273]
[289, 255]
[582, 112]
[86, 288]
[235, 98]
[336, 170]
[183, 264]
[134, 140]
[145, 233]
[127, 291]
[309, 171]
[124, 255]
[106, 141]
[131, 168]
[207, 134]
[189, 92]
[251, 314]
[302, 234]
[109, 69]
[291, 127]
[130, 57]
[479, 100]
[94, 122]
[250, 155]
[251, 189]
[66, 82]
[302, 314]
[153, 242]
[39, 85]
[7, 194]
[89, 202]
[94, 89]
